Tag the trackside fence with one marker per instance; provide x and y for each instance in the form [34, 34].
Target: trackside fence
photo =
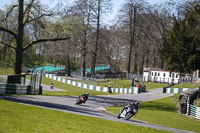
[174, 90]
[190, 109]
[193, 111]
[133, 90]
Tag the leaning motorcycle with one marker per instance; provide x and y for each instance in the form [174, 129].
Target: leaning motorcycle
[82, 98]
[128, 111]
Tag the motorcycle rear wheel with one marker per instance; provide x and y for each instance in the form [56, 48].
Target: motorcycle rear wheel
[128, 116]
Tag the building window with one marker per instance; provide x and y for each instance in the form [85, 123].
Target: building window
[170, 74]
[158, 74]
[155, 74]
[152, 73]
[163, 74]
[176, 75]
[173, 75]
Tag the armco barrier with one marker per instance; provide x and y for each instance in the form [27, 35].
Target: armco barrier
[174, 90]
[14, 89]
[190, 110]
[133, 90]
[193, 111]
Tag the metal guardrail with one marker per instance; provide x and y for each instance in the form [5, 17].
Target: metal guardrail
[14, 86]
[14, 89]
[186, 99]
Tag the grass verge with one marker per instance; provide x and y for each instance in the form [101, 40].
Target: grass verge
[186, 86]
[18, 118]
[197, 102]
[163, 112]
[6, 71]
[150, 85]
[70, 90]
[116, 83]
[128, 84]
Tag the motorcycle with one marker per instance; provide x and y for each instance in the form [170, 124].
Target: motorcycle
[51, 86]
[128, 111]
[82, 98]
[109, 90]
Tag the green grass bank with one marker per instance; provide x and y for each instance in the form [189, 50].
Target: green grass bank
[163, 112]
[18, 118]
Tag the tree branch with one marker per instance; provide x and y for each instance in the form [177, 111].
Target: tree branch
[8, 13]
[9, 31]
[27, 10]
[8, 45]
[42, 15]
[43, 40]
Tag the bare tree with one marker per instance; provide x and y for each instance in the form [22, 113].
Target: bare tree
[24, 17]
[129, 18]
[102, 6]
[83, 15]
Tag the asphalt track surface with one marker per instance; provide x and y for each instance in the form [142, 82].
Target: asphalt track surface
[95, 106]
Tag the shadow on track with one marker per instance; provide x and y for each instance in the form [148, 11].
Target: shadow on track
[108, 101]
[53, 106]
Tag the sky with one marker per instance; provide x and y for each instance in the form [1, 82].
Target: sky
[51, 3]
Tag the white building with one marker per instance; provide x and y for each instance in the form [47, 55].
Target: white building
[161, 76]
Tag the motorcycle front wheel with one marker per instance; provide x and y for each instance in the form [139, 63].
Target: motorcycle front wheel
[118, 116]
[78, 102]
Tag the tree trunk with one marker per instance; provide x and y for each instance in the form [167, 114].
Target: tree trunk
[68, 66]
[132, 17]
[85, 50]
[97, 39]
[18, 58]
[93, 65]
[162, 63]
[142, 64]
[84, 64]
[39, 56]
[136, 63]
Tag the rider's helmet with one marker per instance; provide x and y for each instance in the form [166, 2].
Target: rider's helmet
[136, 103]
[133, 103]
